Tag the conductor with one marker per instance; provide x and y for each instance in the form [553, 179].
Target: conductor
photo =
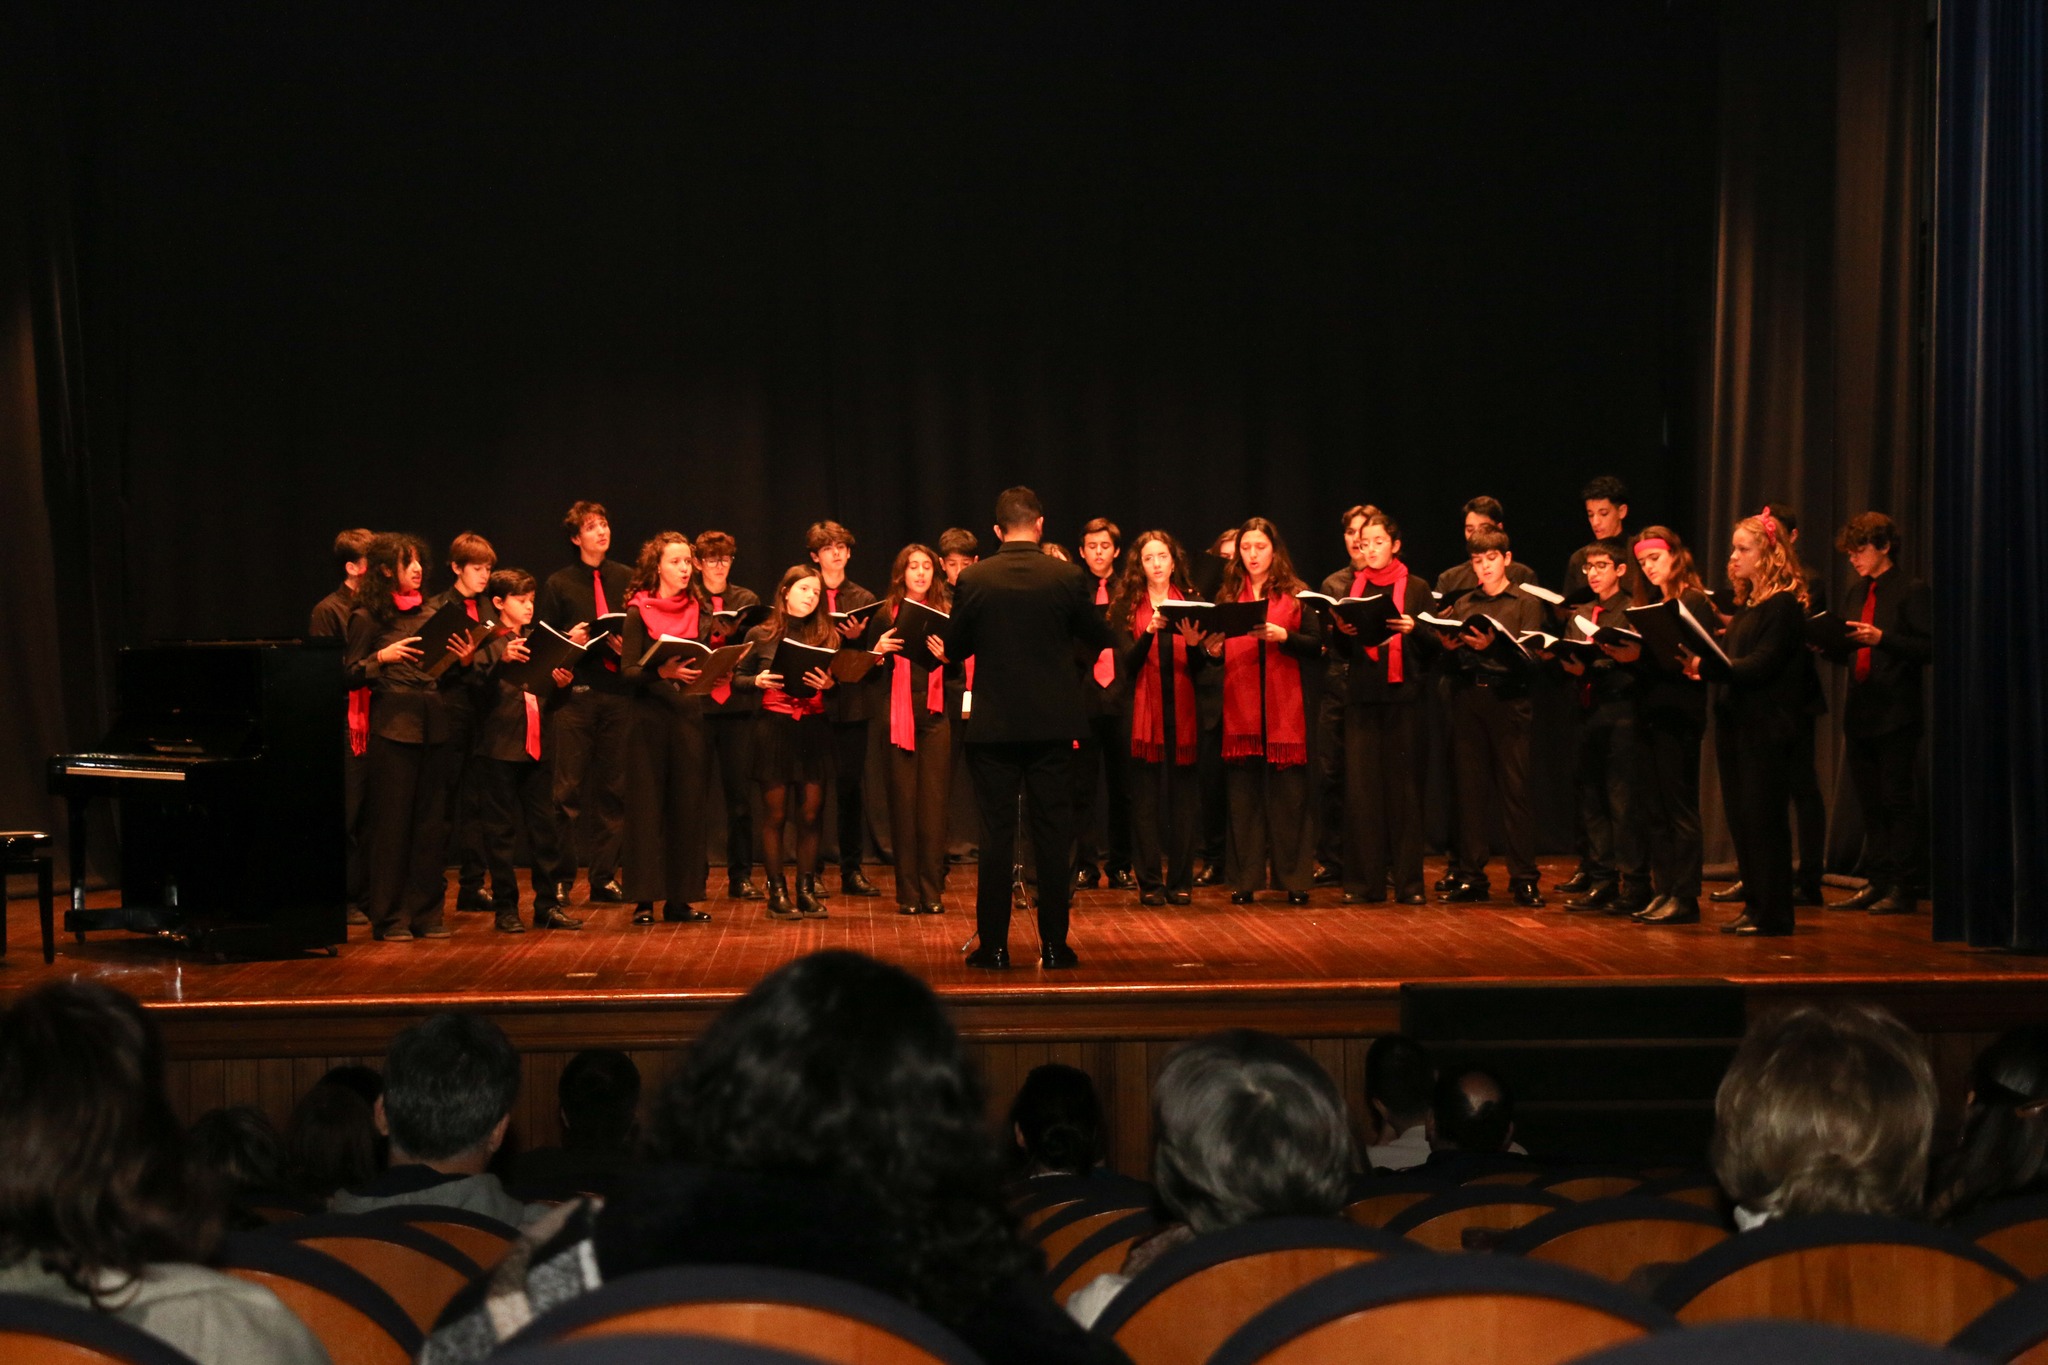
[1020, 613]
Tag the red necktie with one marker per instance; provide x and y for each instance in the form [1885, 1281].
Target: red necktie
[603, 608]
[1862, 670]
[469, 605]
[1105, 662]
[721, 690]
[532, 726]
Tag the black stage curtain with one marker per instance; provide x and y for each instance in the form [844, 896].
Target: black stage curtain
[1991, 429]
[1815, 376]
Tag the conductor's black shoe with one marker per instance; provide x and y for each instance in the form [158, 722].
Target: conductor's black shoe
[1463, 892]
[1870, 895]
[1576, 884]
[1179, 898]
[1728, 895]
[1152, 898]
[1123, 879]
[555, 918]
[1528, 893]
[1450, 881]
[854, 882]
[472, 898]
[643, 913]
[1055, 956]
[682, 912]
[1598, 896]
[1241, 897]
[1086, 879]
[743, 890]
[1808, 893]
[1412, 898]
[1672, 910]
[1210, 875]
[996, 959]
[1900, 902]
[1297, 898]
[508, 922]
[608, 894]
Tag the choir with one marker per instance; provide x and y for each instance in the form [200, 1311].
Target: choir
[1279, 732]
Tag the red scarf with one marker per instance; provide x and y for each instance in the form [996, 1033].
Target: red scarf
[675, 616]
[1274, 727]
[902, 724]
[406, 601]
[1148, 701]
[1394, 578]
[359, 697]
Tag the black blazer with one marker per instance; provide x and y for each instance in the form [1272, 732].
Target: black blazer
[1889, 699]
[1021, 614]
[865, 699]
[1766, 647]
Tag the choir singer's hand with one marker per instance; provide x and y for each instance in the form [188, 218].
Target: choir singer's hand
[1343, 626]
[1622, 654]
[849, 629]
[1157, 623]
[580, 632]
[674, 670]
[936, 646]
[1691, 667]
[821, 680]
[1273, 633]
[1402, 625]
[563, 677]
[516, 650]
[400, 651]
[1865, 634]
[889, 643]
[1572, 666]
[768, 682]
[1189, 631]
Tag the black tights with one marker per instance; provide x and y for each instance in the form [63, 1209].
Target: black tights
[775, 798]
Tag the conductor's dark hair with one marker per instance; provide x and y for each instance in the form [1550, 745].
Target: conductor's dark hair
[389, 552]
[1487, 540]
[1475, 1111]
[1400, 1074]
[510, 583]
[1102, 526]
[447, 1081]
[958, 540]
[599, 1095]
[350, 546]
[2004, 1150]
[1247, 1126]
[1017, 508]
[840, 1068]
[1874, 529]
[95, 1181]
[1604, 486]
[580, 512]
[1489, 508]
[1058, 1120]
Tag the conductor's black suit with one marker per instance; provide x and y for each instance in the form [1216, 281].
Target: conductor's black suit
[1020, 614]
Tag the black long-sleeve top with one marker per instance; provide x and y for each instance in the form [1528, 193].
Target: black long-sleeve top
[1365, 678]
[1766, 646]
[405, 703]
[648, 683]
[865, 699]
[734, 598]
[501, 703]
[329, 620]
[1176, 686]
[1665, 694]
[1605, 681]
[1889, 699]
[1513, 611]
[569, 598]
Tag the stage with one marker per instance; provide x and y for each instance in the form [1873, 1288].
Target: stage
[1328, 974]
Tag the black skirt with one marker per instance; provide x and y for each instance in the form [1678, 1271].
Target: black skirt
[790, 750]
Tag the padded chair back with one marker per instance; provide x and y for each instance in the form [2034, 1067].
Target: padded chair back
[1100, 1254]
[356, 1321]
[2015, 1329]
[1590, 1182]
[40, 1331]
[1440, 1223]
[830, 1320]
[1849, 1270]
[419, 1270]
[1375, 1199]
[1075, 1223]
[1613, 1238]
[2013, 1230]
[651, 1350]
[478, 1236]
[1697, 1188]
[1184, 1305]
[1444, 1308]
[1515, 1177]
[1769, 1343]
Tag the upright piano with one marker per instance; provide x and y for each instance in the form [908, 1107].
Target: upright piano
[224, 765]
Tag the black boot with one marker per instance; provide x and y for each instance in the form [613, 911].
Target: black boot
[778, 899]
[1527, 892]
[809, 903]
[812, 885]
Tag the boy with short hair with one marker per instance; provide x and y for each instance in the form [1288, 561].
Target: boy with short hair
[850, 706]
[330, 622]
[471, 559]
[729, 713]
[1616, 866]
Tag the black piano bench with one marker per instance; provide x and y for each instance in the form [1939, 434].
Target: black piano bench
[28, 850]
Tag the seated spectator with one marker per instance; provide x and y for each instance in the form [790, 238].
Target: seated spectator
[332, 1141]
[1245, 1126]
[1473, 1130]
[2004, 1151]
[242, 1153]
[449, 1083]
[1056, 1122]
[98, 1203]
[1824, 1111]
[1400, 1079]
[829, 1121]
[599, 1101]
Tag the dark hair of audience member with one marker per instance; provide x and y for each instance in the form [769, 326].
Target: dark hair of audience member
[240, 1151]
[1247, 1126]
[842, 1068]
[1475, 1111]
[2004, 1148]
[447, 1081]
[331, 1142]
[1826, 1111]
[1400, 1081]
[1056, 1120]
[95, 1182]
[599, 1095]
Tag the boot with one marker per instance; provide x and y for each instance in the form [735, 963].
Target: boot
[809, 903]
[778, 899]
[1527, 892]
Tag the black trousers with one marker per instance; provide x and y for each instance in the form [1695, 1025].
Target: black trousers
[516, 795]
[1882, 767]
[920, 792]
[849, 774]
[1215, 792]
[1041, 770]
[1269, 822]
[1382, 818]
[405, 833]
[665, 790]
[1166, 811]
[1808, 807]
[465, 806]
[1668, 749]
[1105, 748]
[590, 777]
[730, 735]
[1332, 716]
[1757, 759]
[355, 770]
[1606, 776]
[1490, 740]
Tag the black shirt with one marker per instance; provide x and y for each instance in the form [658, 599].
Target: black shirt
[331, 613]
[569, 599]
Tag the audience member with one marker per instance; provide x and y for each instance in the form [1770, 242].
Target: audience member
[1056, 1122]
[449, 1083]
[240, 1151]
[332, 1141]
[599, 1100]
[1825, 1110]
[1400, 1080]
[1245, 1126]
[99, 1204]
[1472, 1127]
[830, 1122]
[2004, 1150]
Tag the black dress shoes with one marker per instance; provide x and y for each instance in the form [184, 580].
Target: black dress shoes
[1656, 904]
[1745, 927]
[1808, 893]
[1577, 884]
[1086, 879]
[1297, 898]
[1629, 904]
[1211, 875]
[643, 913]
[743, 890]
[1326, 876]
[555, 918]
[1728, 895]
[1363, 898]
[682, 912]
[995, 959]
[1598, 896]
[1152, 898]
[1179, 898]
[1057, 957]
[1528, 893]
[356, 916]
[1899, 902]
[608, 894]
[932, 908]
[1870, 895]
[1448, 882]
[1241, 897]
[1462, 892]
[906, 909]
[854, 882]
[1672, 910]
[1123, 879]
[1412, 898]
[508, 922]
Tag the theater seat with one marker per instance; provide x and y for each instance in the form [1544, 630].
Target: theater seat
[2015, 1231]
[831, 1320]
[1102, 1253]
[2015, 1329]
[1375, 1199]
[1850, 1270]
[483, 1239]
[357, 1322]
[1442, 1222]
[1183, 1305]
[1614, 1238]
[1590, 1182]
[419, 1270]
[1497, 1309]
[40, 1331]
[662, 1350]
[1774, 1343]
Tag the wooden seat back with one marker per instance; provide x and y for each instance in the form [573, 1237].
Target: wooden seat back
[1614, 1238]
[1103, 1253]
[419, 1271]
[354, 1319]
[1441, 1223]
